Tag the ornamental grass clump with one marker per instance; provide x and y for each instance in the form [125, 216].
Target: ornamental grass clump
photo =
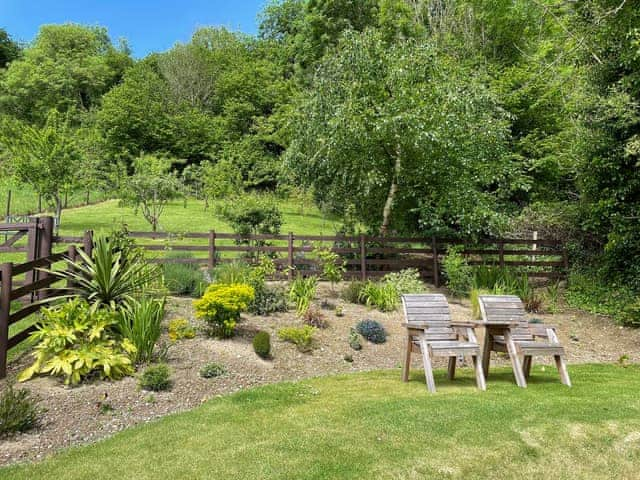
[302, 292]
[140, 322]
[19, 411]
[221, 305]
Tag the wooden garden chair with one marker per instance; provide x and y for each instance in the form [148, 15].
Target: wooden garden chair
[520, 338]
[431, 332]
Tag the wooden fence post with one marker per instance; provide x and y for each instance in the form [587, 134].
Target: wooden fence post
[565, 261]
[363, 258]
[87, 242]
[8, 203]
[6, 274]
[291, 263]
[436, 263]
[33, 232]
[72, 253]
[212, 249]
[45, 246]
[501, 250]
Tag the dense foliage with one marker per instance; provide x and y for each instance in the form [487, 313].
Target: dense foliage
[221, 305]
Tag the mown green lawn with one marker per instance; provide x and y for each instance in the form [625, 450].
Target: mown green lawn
[373, 426]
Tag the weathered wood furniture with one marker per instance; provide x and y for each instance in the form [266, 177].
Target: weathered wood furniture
[507, 330]
[431, 332]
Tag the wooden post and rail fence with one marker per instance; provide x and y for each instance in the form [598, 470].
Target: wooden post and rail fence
[24, 286]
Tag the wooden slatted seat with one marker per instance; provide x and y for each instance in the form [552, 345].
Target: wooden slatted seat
[431, 332]
[530, 339]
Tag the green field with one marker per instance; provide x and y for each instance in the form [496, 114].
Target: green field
[373, 426]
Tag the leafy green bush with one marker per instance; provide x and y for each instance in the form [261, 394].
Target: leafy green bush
[372, 331]
[354, 340]
[352, 292]
[268, 300]
[458, 272]
[156, 378]
[19, 411]
[382, 296]
[332, 267]
[212, 370]
[221, 305]
[301, 337]
[75, 341]
[112, 275]
[302, 292]
[405, 281]
[631, 314]
[262, 344]
[140, 322]
[314, 317]
[183, 278]
[179, 328]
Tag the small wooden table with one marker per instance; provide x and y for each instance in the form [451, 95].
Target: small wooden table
[492, 330]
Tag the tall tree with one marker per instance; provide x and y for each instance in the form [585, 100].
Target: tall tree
[45, 158]
[403, 134]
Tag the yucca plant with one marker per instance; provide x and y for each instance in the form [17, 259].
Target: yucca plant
[140, 322]
[109, 277]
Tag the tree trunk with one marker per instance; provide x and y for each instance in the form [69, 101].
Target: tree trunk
[393, 189]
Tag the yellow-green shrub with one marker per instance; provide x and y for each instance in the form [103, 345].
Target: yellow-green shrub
[179, 328]
[221, 305]
[301, 337]
[75, 341]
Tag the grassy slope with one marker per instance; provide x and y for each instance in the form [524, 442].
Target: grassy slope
[373, 426]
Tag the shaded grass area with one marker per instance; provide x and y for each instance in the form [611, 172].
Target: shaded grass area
[373, 426]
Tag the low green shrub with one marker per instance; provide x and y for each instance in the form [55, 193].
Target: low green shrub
[221, 305]
[179, 329]
[212, 370]
[301, 337]
[458, 273]
[630, 316]
[140, 322]
[372, 331]
[19, 411]
[262, 344]
[339, 311]
[405, 281]
[302, 292]
[156, 378]
[268, 300]
[314, 317]
[351, 293]
[183, 278]
[354, 340]
[382, 296]
[75, 341]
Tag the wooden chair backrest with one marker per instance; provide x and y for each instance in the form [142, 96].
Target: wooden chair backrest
[499, 308]
[430, 312]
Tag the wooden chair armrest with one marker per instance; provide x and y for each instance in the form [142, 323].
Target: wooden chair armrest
[541, 329]
[415, 325]
[467, 324]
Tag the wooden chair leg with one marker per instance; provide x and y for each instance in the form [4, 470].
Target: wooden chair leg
[486, 353]
[452, 367]
[428, 370]
[561, 363]
[526, 366]
[407, 360]
[515, 360]
[480, 380]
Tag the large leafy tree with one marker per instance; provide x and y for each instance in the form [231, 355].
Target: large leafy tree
[609, 176]
[9, 50]
[401, 132]
[68, 68]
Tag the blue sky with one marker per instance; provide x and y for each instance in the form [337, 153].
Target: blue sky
[148, 25]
